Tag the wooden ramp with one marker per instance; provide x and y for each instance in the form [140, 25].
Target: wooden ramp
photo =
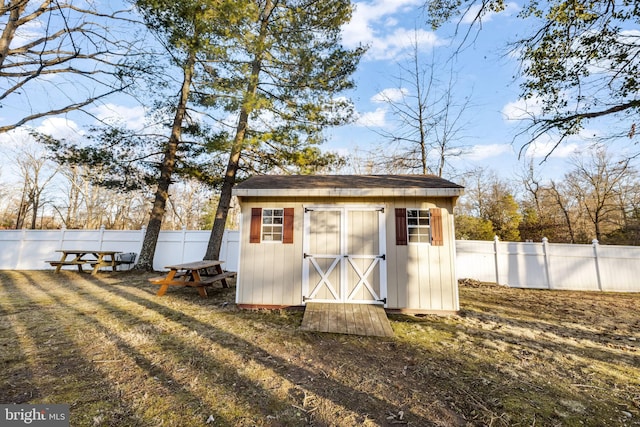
[354, 319]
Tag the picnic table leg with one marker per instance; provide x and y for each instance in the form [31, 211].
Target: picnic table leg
[97, 265]
[59, 266]
[165, 284]
[162, 290]
[202, 291]
[224, 280]
[114, 266]
[195, 276]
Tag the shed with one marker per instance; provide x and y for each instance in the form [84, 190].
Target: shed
[366, 239]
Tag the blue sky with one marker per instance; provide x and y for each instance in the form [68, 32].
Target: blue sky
[484, 73]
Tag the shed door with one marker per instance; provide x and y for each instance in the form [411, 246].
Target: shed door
[344, 255]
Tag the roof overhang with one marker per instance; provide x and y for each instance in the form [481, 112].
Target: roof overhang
[348, 192]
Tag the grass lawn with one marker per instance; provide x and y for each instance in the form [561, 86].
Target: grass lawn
[120, 356]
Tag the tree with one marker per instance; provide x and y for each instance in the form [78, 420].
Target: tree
[68, 50]
[280, 72]
[491, 199]
[473, 228]
[596, 183]
[36, 172]
[581, 62]
[428, 119]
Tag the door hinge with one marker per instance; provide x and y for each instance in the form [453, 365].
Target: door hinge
[305, 256]
[383, 256]
[383, 300]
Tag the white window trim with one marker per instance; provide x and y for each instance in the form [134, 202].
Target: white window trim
[429, 237]
[262, 224]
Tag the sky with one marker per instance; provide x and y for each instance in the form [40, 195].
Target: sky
[483, 73]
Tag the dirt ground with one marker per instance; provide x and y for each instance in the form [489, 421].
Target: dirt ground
[121, 356]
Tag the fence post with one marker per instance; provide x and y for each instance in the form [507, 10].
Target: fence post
[545, 252]
[597, 261]
[184, 242]
[496, 244]
[63, 230]
[101, 238]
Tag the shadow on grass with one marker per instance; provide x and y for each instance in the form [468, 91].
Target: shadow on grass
[56, 370]
[247, 393]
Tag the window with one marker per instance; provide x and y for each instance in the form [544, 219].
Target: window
[418, 226]
[272, 225]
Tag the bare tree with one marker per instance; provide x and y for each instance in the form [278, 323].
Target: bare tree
[428, 120]
[36, 172]
[596, 181]
[69, 51]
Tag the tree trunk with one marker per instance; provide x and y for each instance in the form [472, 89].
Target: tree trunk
[147, 253]
[220, 220]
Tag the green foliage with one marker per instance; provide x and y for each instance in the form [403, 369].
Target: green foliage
[473, 228]
[282, 67]
[284, 70]
[505, 216]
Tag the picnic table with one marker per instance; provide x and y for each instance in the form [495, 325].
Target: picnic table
[198, 274]
[78, 257]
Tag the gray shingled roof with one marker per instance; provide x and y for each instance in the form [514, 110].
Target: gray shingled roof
[275, 182]
[347, 186]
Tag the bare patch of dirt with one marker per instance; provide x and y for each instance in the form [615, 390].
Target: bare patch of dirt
[119, 355]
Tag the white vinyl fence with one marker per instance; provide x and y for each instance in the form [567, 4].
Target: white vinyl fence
[547, 265]
[539, 265]
[30, 249]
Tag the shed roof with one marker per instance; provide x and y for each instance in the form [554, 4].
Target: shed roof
[348, 186]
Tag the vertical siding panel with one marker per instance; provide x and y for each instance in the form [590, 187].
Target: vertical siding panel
[391, 254]
[294, 259]
[436, 278]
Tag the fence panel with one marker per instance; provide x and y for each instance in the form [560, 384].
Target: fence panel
[30, 249]
[619, 268]
[476, 259]
[539, 265]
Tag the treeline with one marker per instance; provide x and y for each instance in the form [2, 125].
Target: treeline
[597, 198]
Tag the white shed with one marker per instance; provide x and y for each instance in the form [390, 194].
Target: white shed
[374, 239]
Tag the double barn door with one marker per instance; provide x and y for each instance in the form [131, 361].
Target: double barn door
[344, 254]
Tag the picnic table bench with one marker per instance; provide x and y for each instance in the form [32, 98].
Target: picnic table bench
[77, 257]
[198, 274]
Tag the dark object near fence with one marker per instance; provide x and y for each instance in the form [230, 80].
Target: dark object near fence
[128, 258]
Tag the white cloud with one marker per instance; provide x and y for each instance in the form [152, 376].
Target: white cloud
[131, 117]
[483, 152]
[375, 118]
[60, 128]
[389, 95]
[468, 18]
[373, 24]
[540, 148]
[522, 109]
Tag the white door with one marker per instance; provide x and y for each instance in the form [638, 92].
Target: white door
[344, 258]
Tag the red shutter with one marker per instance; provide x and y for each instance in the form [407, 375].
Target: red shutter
[401, 226]
[437, 239]
[256, 225]
[287, 229]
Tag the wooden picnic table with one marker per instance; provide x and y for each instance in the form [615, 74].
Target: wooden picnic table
[198, 274]
[100, 258]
